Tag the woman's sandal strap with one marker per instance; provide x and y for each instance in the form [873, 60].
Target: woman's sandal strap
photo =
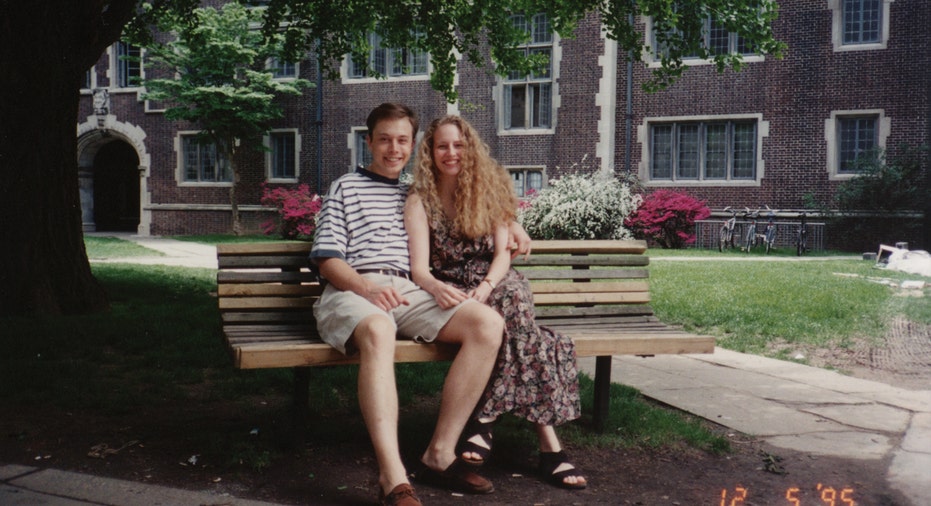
[550, 461]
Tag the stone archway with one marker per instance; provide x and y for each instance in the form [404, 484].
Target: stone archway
[113, 170]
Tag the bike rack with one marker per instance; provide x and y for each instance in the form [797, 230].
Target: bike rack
[707, 233]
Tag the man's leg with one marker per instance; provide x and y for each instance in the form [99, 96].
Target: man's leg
[478, 330]
[378, 396]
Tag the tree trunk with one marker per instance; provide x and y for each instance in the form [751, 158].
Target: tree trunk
[45, 48]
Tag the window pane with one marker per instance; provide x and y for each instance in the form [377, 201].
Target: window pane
[687, 167]
[190, 154]
[518, 104]
[744, 150]
[363, 155]
[282, 145]
[546, 71]
[540, 32]
[661, 156]
[282, 69]
[534, 181]
[518, 177]
[542, 100]
[716, 151]
[128, 71]
[857, 137]
[718, 38]
[862, 21]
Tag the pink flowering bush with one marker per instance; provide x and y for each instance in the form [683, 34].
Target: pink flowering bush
[667, 218]
[297, 211]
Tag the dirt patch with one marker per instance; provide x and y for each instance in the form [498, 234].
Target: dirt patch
[245, 448]
[902, 358]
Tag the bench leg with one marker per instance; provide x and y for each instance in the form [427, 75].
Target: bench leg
[300, 406]
[602, 392]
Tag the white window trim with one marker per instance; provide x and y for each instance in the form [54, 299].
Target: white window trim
[179, 165]
[837, 29]
[266, 140]
[93, 84]
[498, 98]
[346, 78]
[643, 138]
[884, 125]
[112, 72]
[653, 61]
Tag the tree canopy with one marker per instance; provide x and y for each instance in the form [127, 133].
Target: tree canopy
[43, 264]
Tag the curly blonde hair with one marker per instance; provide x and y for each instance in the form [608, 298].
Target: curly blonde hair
[485, 196]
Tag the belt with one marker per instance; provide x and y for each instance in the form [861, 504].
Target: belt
[386, 272]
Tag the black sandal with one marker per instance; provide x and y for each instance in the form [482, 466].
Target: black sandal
[550, 462]
[475, 428]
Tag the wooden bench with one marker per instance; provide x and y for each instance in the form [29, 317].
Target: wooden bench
[596, 292]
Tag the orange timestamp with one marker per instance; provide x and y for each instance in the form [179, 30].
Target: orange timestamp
[795, 496]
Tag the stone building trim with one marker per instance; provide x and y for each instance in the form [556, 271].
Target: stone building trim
[837, 28]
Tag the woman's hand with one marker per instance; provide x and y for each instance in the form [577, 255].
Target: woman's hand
[481, 292]
[446, 296]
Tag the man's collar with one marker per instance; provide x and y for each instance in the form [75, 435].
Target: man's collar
[376, 177]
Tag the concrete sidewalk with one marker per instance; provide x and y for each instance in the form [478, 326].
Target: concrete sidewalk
[788, 405]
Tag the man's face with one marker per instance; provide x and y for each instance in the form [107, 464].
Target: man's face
[391, 144]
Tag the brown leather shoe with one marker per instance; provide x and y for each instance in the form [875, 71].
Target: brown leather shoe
[402, 495]
[457, 478]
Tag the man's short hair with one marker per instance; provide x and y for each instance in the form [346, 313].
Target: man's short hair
[391, 110]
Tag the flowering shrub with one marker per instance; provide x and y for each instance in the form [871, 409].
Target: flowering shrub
[667, 218]
[297, 211]
[580, 206]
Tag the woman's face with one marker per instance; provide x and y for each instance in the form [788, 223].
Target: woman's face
[448, 147]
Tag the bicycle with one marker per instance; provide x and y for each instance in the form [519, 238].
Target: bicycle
[769, 233]
[801, 235]
[752, 238]
[727, 230]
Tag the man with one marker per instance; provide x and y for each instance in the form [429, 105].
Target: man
[360, 249]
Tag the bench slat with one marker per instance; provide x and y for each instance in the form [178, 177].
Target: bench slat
[268, 290]
[308, 353]
[304, 276]
[562, 299]
[593, 287]
[262, 262]
[238, 303]
[584, 261]
[583, 274]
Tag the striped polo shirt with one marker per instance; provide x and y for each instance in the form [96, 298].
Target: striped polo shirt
[362, 222]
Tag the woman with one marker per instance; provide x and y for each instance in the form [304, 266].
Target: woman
[456, 216]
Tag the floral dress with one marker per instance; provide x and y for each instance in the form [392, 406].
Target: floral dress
[536, 377]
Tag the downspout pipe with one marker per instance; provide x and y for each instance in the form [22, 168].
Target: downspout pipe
[630, 106]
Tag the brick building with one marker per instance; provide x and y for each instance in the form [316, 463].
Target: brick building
[856, 76]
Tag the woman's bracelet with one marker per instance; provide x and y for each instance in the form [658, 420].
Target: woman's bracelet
[490, 283]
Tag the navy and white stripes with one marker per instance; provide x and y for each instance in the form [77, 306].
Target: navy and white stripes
[362, 222]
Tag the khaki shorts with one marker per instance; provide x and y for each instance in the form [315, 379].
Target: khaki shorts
[338, 312]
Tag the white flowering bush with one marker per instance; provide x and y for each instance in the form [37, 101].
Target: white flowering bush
[580, 206]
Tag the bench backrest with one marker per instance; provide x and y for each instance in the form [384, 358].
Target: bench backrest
[269, 285]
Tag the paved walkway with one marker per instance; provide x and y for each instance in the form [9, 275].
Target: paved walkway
[788, 405]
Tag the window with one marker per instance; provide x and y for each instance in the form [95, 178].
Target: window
[88, 82]
[282, 69]
[716, 39]
[856, 137]
[391, 62]
[851, 135]
[202, 162]
[527, 180]
[128, 65]
[528, 99]
[282, 155]
[709, 150]
[859, 25]
[862, 20]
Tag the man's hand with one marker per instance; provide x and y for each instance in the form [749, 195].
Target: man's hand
[518, 241]
[385, 298]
